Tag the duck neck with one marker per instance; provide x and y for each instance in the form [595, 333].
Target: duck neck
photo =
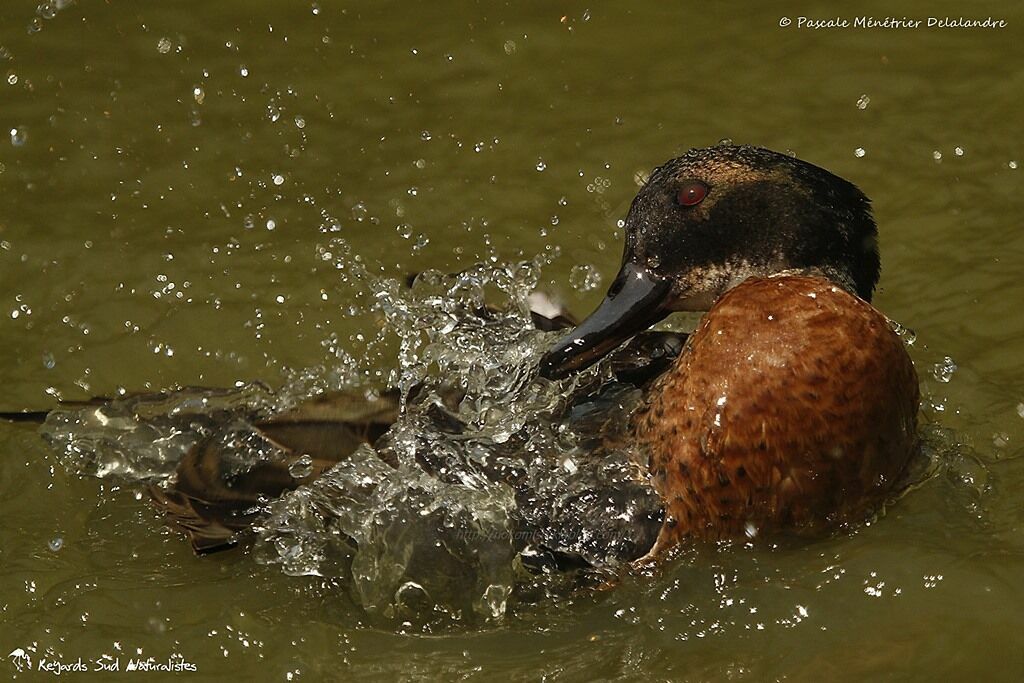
[833, 275]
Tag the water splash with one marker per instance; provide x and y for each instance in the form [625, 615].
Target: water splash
[413, 547]
[487, 480]
[142, 438]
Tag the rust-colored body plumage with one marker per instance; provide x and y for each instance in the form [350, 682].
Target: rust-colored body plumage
[793, 407]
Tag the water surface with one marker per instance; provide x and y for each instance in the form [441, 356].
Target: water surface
[174, 181]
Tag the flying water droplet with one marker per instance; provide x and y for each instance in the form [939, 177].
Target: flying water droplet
[584, 277]
[908, 336]
[18, 137]
[301, 468]
[944, 370]
[494, 599]
[47, 9]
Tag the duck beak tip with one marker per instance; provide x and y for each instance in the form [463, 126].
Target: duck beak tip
[634, 302]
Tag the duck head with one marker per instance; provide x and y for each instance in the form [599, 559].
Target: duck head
[706, 221]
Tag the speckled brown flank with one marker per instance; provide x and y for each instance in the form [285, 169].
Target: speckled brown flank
[793, 407]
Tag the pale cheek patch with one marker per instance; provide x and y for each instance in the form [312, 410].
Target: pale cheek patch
[702, 286]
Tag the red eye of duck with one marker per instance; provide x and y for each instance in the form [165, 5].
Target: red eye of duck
[692, 193]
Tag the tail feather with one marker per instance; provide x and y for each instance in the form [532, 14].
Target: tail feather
[26, 416]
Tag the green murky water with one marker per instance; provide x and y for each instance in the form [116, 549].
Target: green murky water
[171, 175]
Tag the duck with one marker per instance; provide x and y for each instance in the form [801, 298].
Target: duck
[791, 408]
